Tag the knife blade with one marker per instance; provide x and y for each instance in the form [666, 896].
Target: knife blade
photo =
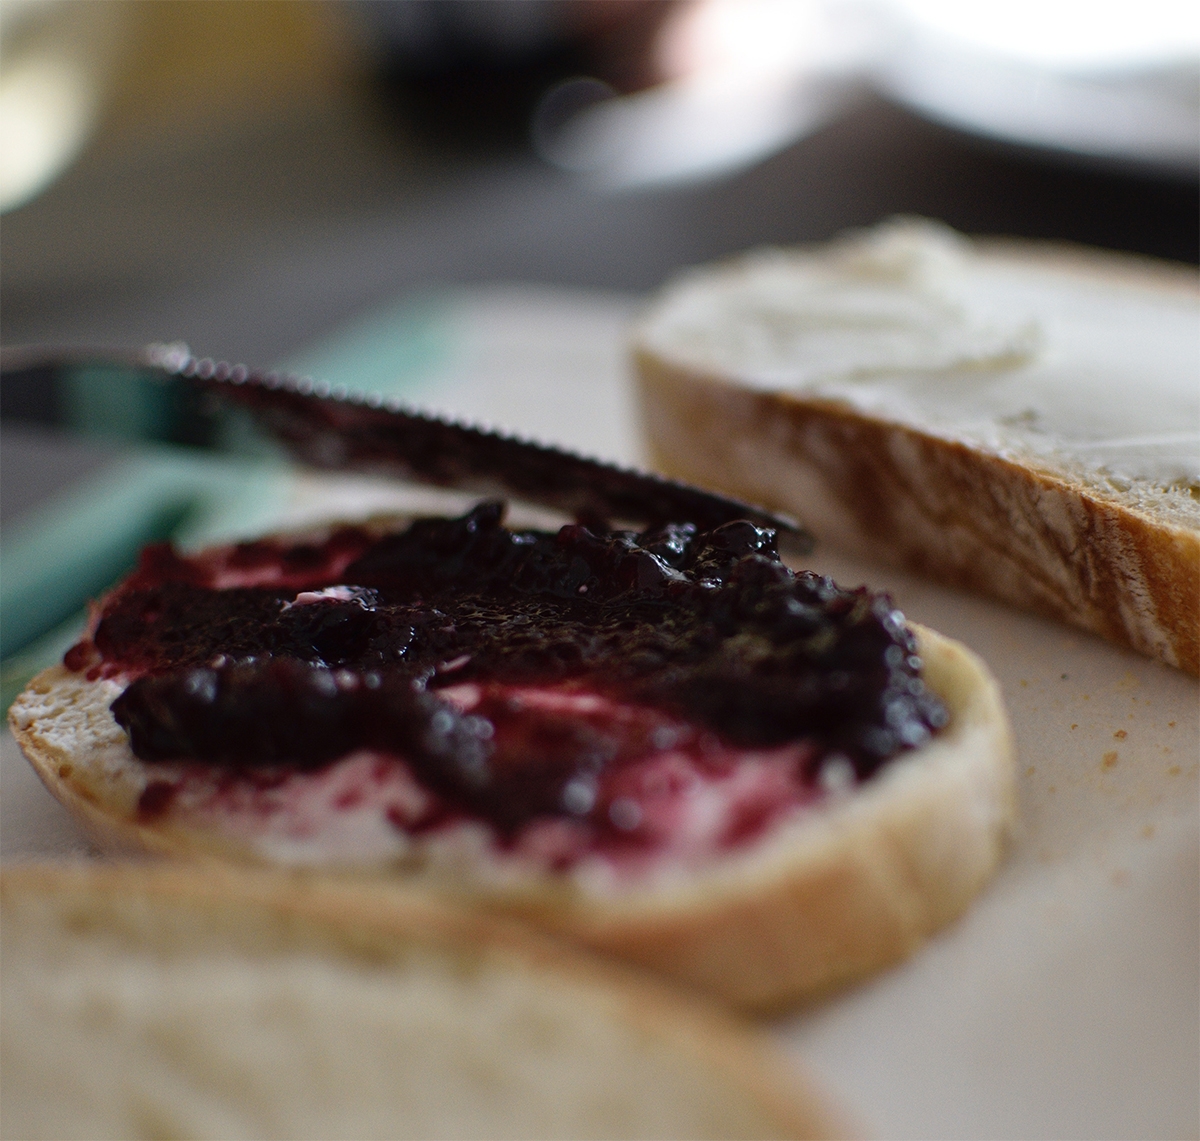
[178, 398]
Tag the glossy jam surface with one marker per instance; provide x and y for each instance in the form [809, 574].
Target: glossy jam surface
[522, 677]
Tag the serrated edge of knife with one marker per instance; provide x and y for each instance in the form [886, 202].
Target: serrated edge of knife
[175, 360]
[208, 370]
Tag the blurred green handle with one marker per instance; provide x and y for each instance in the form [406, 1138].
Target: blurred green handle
[52, 566]
[75, 549]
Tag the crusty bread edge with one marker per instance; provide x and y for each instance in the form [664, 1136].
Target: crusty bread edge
[845, 892]
[840, 893]
[357, 921]
[943, 508]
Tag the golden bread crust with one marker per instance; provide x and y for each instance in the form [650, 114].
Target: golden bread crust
[819, 901]
[834, 898]
[953, 512]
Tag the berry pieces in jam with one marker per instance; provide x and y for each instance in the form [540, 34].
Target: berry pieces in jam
[521, 675]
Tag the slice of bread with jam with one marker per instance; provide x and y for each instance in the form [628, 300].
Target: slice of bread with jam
[667, 746]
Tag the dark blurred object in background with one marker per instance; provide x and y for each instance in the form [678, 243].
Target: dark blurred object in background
[471, 72]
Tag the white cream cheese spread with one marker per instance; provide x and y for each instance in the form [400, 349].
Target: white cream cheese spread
[911, 322]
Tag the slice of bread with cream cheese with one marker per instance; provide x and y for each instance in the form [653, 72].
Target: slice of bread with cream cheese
[1014, 418]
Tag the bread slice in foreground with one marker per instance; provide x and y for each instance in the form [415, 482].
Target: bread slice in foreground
[827, 896]
[1012, 418]
[148, 1001]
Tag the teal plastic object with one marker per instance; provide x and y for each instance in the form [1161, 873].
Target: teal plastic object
[77, 547]
[398, 350]
[120, 403]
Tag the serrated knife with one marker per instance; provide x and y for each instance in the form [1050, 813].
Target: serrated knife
[334, 427]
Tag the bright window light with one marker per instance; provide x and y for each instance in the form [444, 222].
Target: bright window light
[1074, 34]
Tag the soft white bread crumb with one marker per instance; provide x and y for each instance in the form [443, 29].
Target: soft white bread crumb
[1013, 418]
[150, 1001]
[827, 896]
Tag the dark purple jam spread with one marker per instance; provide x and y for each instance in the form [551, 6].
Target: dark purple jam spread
[519, 674]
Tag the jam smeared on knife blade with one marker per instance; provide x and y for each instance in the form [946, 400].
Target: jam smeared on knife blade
[519, 674]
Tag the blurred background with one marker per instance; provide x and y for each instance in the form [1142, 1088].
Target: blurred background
[463, 202]
[246, 176]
